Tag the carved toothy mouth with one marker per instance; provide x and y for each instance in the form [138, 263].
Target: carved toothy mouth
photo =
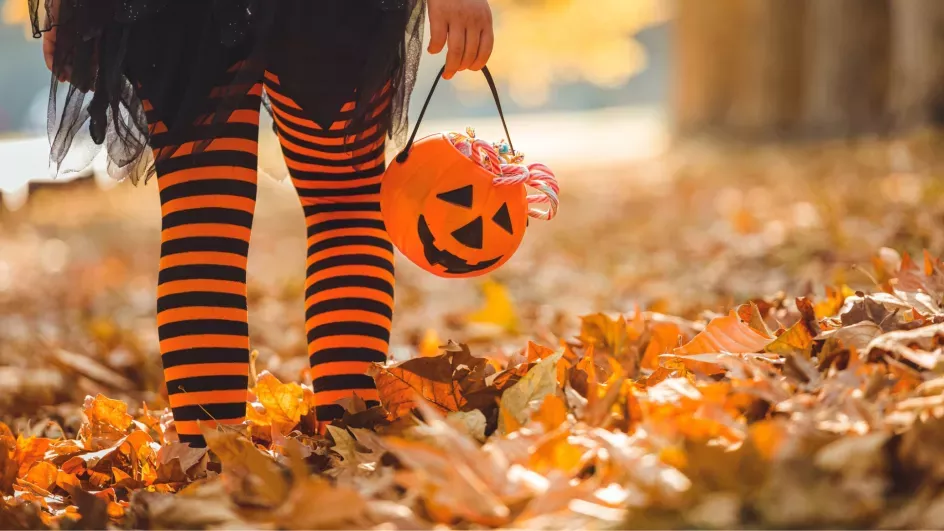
[454, 265]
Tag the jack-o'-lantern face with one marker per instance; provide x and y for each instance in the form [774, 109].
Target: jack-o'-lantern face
[444, 213]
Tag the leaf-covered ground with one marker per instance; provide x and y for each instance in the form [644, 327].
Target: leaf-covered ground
[769, 354]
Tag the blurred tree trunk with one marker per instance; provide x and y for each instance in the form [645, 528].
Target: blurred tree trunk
[774, 69]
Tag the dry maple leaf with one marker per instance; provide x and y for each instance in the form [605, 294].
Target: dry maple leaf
[725, 334]
[108, 421]
[538, 383]
[284, 403]
[447, 381]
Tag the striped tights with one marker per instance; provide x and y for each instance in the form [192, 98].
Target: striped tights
[207, 206]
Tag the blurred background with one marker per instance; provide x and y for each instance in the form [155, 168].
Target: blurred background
[709, 152]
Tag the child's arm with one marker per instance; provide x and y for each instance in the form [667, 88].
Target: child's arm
[467, 25]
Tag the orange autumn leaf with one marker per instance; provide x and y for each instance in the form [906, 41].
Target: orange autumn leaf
[67, 481]
[725, 334]
[664, 337]
[42, 475]
[768, 437]
[537, 352]
[108, 421]
[552, 413]
[30, 451]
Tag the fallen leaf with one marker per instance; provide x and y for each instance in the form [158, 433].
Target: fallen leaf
[856, 336]
[663, 339]
[725, 334]
[798, 339]
[498, 310]
[284, 403]
[540, 382]
[42, 475]
[922, 346]
[240, 456]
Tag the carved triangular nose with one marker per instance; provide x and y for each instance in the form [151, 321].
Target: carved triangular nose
[470, 235]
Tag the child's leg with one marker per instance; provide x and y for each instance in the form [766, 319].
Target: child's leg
[207, 205]
[349, 286]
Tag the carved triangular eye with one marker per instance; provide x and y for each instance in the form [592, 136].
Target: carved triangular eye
[470, 235]
[503, 219]
[460, 196]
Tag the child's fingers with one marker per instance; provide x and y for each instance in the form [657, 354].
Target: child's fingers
[437, 35]
[456, 50]
[472, 38]
[485, 49]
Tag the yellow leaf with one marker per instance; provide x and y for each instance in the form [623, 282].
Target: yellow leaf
[284, 402]
[557, 453]
[498, 308]
[429, 345]
[725, 334]
[605, 333]
[534, 386]
[798, 339]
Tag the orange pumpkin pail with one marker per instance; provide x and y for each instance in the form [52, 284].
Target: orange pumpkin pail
[450, 215]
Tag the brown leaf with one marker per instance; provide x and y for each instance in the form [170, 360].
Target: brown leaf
[444, 381]
[178, 462]
[921, 347]
[239, 456]
[858, 335]
[338, 507]
[883, 309]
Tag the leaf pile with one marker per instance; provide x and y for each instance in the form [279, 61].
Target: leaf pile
[816, 412]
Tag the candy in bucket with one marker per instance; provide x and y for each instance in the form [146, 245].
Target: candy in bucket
[509, 168]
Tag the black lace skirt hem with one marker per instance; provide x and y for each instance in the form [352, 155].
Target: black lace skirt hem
[173, 54]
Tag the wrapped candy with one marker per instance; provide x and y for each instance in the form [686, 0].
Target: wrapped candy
[509, 169]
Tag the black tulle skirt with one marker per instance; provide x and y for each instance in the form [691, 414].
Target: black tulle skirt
[175, 53]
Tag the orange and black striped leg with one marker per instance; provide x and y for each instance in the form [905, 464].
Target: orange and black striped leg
[349, 285]
[207, 205]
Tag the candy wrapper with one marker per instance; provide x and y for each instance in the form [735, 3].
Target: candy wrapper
[508, 167]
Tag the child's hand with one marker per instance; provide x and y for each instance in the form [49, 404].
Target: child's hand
[467, 25]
